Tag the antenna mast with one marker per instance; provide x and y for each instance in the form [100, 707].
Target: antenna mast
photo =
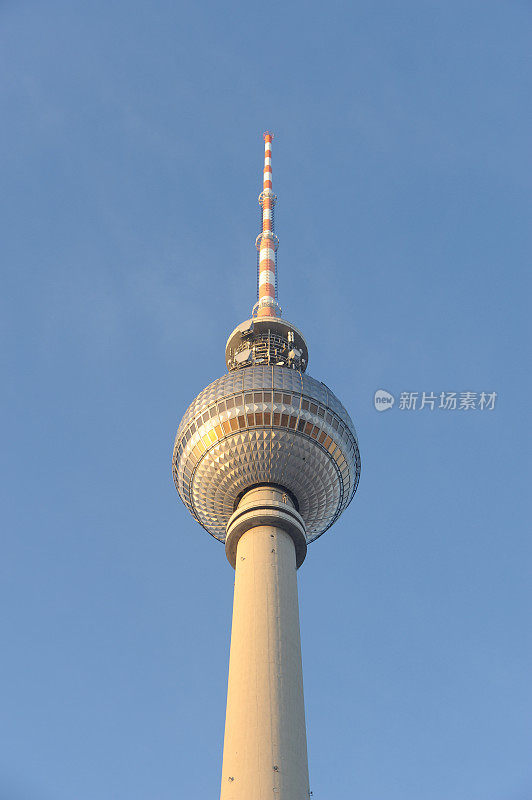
[267, 242]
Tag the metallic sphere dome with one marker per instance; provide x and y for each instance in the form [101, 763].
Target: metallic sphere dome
[266, 424]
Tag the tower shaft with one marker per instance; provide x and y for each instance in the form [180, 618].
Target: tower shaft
[265, 747]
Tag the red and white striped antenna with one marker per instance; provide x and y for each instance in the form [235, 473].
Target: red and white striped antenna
[267, 243]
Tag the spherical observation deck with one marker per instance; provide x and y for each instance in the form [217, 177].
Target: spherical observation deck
[266, 424]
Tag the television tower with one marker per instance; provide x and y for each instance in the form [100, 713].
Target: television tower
[266, 459]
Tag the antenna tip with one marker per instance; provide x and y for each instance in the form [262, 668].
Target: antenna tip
[268, 136]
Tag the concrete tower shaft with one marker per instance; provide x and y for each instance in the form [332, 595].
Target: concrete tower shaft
[265, 745]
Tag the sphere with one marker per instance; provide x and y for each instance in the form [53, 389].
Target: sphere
[266, 425]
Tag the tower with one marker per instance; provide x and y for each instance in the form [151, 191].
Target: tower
[266, 459]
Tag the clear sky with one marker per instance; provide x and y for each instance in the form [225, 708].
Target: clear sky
[131, 143]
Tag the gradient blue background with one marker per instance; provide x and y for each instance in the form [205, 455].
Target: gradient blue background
[131, 142]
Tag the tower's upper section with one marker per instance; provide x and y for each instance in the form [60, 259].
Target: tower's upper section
[266, 338]
[266, 422]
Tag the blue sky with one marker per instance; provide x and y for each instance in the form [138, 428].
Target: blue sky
[132, 147]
